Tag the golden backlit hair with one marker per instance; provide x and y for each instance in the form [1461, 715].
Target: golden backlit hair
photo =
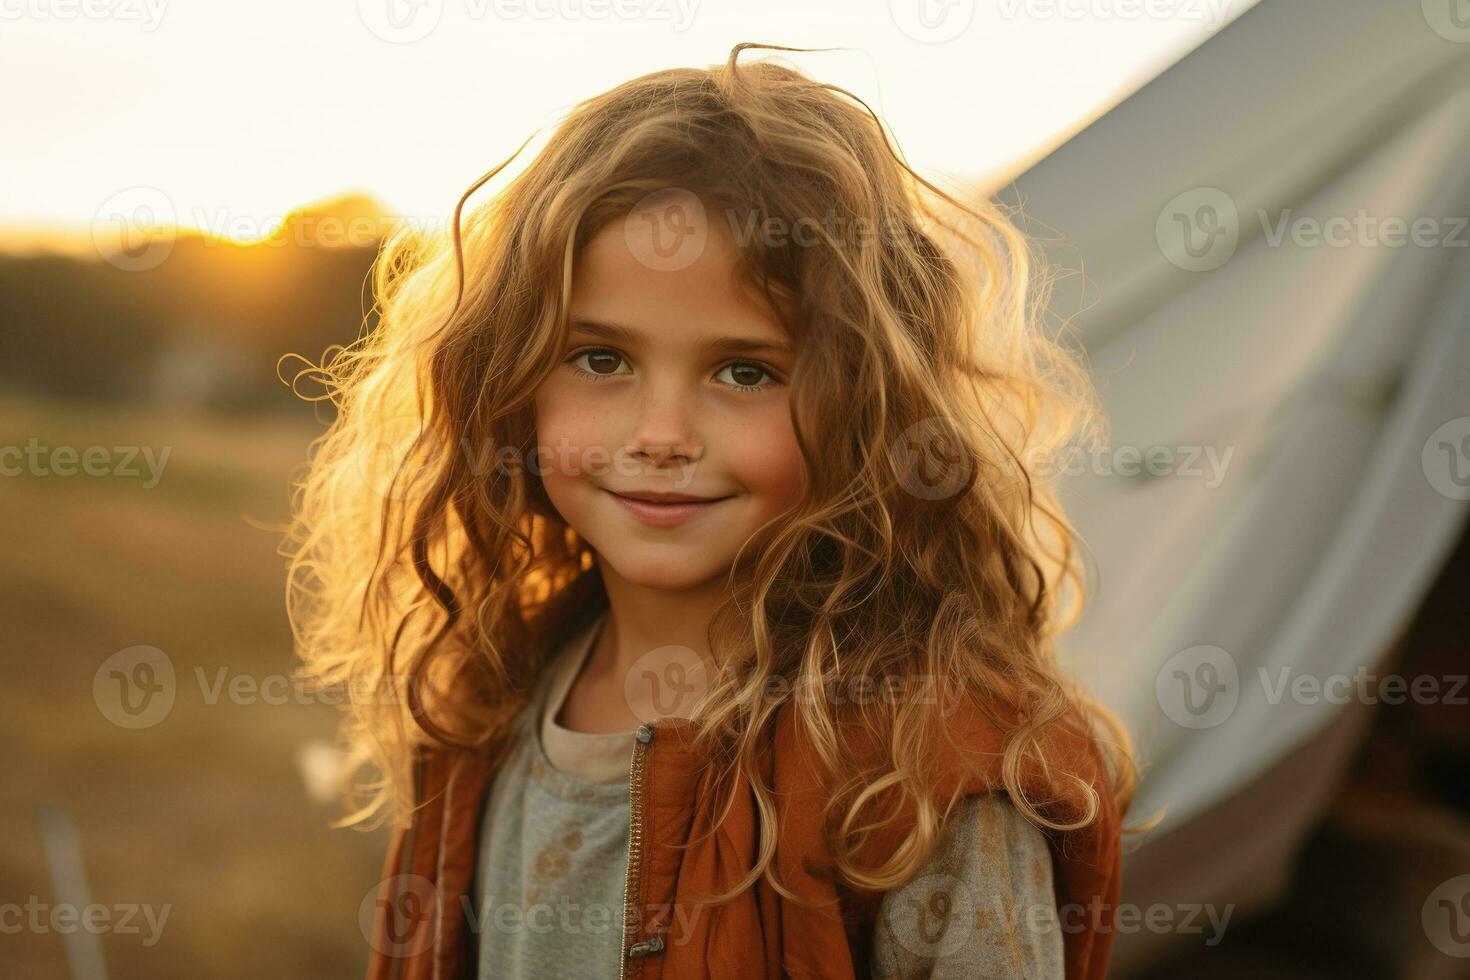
[434, 586]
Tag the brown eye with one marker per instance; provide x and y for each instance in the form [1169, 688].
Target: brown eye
[747, 375]
[600, 363]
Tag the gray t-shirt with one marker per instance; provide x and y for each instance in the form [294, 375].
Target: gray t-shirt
[554, 855]
[554, 844]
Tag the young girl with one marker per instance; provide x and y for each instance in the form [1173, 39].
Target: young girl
[682, 540]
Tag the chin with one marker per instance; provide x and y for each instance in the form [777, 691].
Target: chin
[662, 568]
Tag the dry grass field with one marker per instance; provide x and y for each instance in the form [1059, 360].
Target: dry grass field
[204, 813]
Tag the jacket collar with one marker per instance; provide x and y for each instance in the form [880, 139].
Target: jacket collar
[422, 920]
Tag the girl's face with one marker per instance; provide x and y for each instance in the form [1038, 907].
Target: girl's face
[674, 382]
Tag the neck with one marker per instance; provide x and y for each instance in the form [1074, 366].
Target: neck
[641, 619]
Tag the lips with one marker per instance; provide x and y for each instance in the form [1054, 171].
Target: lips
[665, 497]
[669, 510]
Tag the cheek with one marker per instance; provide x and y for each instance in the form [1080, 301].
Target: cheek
[767, 461]
[567, 432]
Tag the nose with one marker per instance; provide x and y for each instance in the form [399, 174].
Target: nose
[664, 430]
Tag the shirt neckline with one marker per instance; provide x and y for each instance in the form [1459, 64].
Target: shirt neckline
[566, 673]
[600, 747]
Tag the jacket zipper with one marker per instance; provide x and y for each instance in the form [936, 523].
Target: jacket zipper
[642, 737]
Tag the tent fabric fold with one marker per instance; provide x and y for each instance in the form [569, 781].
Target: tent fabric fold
[1267, 264]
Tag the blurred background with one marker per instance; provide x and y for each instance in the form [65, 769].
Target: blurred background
[1260, 208]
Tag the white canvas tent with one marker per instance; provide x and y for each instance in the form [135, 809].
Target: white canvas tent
[1237, 290]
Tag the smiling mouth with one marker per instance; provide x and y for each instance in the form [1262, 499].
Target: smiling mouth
[665, 513]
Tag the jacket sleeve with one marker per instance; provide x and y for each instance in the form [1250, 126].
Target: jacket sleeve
[983, 906]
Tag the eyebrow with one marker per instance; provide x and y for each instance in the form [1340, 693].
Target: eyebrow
[715, 345]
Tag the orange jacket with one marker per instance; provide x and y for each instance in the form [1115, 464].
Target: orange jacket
[422, 919]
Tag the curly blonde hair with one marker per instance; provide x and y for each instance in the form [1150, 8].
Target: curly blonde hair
[418, 569]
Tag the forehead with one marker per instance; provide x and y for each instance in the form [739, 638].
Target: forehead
[620, 277]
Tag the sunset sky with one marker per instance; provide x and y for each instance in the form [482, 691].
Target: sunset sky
[237, 113]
